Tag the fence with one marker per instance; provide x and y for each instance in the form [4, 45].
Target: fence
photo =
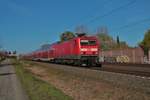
[128, 55]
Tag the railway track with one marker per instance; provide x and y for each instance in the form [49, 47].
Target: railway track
[131, 69]
[135, 69]
[141, 70]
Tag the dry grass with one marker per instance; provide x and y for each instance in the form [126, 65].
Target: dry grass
[36, 88]
[82, 87]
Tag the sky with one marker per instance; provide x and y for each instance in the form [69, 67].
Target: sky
[25, 25]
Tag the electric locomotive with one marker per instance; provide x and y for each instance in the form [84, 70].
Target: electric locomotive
[81, 50]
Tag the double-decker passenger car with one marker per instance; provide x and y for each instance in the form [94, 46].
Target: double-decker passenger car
[81, 50]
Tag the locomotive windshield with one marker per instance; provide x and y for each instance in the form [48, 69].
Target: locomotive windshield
[88, 42]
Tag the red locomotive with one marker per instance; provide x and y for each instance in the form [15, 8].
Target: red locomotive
[81, 50]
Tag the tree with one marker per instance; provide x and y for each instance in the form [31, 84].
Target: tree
[81, 29]
[104, 37]
[106, 41]
[118, 40]
[15, 52]
[66, 36]
[102, 30]
[45, 46]
[145, 44]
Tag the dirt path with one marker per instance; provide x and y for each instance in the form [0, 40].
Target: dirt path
[10, 87]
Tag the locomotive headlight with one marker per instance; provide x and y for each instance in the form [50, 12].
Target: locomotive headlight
[94, 49]
[84, 49]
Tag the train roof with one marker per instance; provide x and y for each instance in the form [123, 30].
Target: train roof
[48, 46]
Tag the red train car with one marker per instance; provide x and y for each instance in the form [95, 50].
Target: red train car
[82, 50]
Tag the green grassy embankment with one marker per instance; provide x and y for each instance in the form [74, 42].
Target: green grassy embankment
[37, 89]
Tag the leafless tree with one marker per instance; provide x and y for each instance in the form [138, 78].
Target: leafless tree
[102, 30]
[81, 29]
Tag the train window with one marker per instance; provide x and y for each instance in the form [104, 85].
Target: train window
[92, 42]
[84, 42]
[88, 42]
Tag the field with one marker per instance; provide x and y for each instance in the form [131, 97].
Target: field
[36, 88]
[81, 84]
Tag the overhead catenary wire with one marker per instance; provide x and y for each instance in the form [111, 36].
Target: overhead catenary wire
[118, 9]
[133, 23]
[112, 11]
[88, 16]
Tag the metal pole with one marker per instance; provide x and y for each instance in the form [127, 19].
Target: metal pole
[133, 54]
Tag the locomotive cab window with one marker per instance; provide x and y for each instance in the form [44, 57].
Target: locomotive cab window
[88, 42]
[92, 42]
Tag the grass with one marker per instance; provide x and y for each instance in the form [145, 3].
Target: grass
[85, 86]
[1, 59]
[36, 88]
